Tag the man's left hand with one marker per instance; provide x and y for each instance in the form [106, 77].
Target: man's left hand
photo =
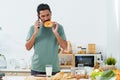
[55, 27]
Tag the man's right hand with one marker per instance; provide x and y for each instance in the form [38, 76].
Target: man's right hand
[29, 44]
[36, 26]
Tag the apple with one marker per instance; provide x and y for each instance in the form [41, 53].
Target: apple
[95, 72]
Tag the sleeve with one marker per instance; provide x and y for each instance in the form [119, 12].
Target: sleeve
[61, 32]
[30, 33]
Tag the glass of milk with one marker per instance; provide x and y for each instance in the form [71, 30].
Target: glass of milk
[48, 69]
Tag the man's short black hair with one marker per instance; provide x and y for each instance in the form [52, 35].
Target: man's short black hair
[43, 7]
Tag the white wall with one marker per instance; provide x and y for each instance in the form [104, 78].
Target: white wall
[84, 21]
[113, 30]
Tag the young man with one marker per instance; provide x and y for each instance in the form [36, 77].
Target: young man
[45, 42]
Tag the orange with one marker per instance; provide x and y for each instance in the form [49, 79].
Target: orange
[48, 24]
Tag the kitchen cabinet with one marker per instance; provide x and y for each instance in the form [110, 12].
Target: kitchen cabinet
[66, 60]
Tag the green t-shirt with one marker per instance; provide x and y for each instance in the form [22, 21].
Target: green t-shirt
[45, 48]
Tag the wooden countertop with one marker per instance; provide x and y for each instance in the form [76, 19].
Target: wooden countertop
[31, 78]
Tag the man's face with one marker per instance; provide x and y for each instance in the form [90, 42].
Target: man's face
[45, 15]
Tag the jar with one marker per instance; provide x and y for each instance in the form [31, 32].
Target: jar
[83, 50]
[79, 49]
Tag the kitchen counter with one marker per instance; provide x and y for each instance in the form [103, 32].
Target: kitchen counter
[27, 70]
[31, 78]
[36, 78]
[14, 78]
[23, 72]
[15, 70]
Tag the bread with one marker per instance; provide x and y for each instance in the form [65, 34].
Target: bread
[48, 24]
[62, 76]
[35, 78]
[58, 76]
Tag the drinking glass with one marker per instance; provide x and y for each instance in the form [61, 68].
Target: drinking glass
[81, 69]
[80, 66]
[73, 70]
[48, 70]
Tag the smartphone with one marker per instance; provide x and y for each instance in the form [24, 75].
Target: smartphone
[38, 22]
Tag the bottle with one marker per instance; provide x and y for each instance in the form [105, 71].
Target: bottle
[22, 64]
[96, 65]
[3, 63]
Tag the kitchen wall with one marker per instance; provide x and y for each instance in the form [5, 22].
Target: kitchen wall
[113, 30]
[84, 21]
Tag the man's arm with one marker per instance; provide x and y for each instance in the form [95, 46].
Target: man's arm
[29, 44]
[62, 43]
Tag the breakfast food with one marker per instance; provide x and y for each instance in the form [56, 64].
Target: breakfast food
[48, 24]
[117, 73]
[83, 76]
[62, 76]
[35, 78]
